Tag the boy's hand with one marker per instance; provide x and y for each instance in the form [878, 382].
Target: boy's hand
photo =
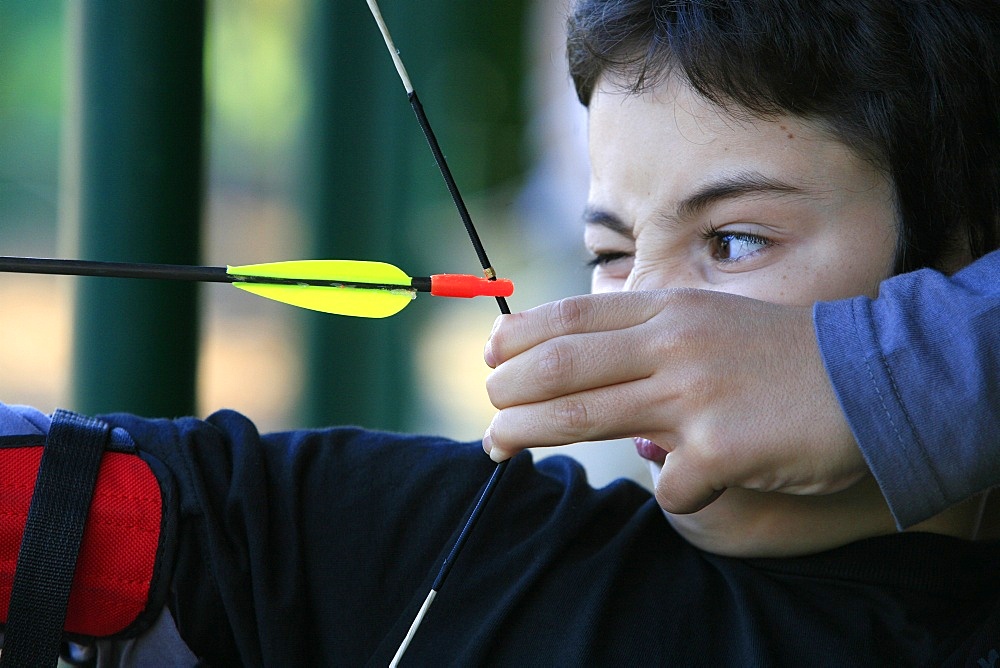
[732, 388]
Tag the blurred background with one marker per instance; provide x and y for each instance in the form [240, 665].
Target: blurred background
[243, 131]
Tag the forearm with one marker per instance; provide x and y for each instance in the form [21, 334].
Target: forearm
[269, 535]
[917, 372]
[277, 531]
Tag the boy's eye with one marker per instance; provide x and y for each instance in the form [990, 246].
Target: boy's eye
[734, 246]
[603, 259]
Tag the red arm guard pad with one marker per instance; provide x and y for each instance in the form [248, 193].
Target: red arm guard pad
[115, 591]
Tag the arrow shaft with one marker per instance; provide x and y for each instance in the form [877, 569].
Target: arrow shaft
[180, 272]
[167, 272]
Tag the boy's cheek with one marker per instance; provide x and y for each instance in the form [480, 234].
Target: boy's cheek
[601, 282]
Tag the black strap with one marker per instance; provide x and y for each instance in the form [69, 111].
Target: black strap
[52, 535]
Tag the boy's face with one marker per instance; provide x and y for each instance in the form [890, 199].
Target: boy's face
[684, 195]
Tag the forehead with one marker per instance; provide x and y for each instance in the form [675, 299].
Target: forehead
[667, 141]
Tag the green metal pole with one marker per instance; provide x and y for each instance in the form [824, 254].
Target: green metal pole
[357, 370]
[133, 192]
[371, 179]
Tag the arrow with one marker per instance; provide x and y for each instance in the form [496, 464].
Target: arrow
[344, 287]
[477, 244]
[432, 143]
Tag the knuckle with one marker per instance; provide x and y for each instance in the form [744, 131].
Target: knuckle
[706, 453]
[572, 414]
[554, 365]
[695, 388]
[710, 458]
[678, 339]
[568, 314]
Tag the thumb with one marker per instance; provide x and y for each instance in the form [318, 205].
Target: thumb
[681, 488]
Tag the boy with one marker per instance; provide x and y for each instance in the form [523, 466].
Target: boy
[718, 151]
[794, 179]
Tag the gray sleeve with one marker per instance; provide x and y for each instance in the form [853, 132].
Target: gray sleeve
[917, 372]
[159, 647]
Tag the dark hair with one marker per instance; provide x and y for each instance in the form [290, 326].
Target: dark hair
[911, 85]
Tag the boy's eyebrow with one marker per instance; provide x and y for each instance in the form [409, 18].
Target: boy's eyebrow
[730, 186]
[594, 216]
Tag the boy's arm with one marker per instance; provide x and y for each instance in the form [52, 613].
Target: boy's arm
[23, 420]
[152, 635]
[917, 372]
[279, 533]
[272, 535]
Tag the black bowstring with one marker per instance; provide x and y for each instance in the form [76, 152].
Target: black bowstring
[477, 244]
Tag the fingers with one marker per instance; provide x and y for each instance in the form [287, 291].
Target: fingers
[685, 487]
[567, 365]
[516, 333]
[732, 387]
[592, 415]
[575, 370]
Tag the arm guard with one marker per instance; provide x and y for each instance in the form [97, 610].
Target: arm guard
[114, 565]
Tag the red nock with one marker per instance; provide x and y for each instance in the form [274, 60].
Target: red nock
[463, 285]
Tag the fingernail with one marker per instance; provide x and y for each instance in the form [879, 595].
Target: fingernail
[498, 455]
[488, 355]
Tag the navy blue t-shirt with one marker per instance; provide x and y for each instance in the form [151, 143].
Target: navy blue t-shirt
[318, 547]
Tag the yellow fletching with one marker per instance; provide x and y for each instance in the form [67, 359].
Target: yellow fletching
[340, 300]
[321, 270]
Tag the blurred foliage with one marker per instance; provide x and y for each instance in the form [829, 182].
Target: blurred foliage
[255, 87]
[470, 58]
[31, 101]
[467, 59]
